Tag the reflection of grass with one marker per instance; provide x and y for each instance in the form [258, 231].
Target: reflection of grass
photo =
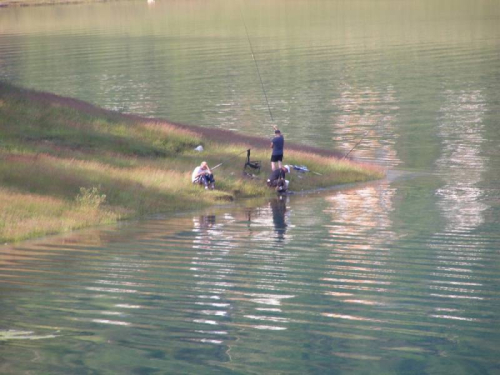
[66, 165]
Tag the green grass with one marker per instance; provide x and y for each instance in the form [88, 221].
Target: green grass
[64, 166]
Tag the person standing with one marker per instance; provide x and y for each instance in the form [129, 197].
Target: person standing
[203, 175]
[277, 144]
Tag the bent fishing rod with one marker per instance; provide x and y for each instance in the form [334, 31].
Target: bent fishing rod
[257, 66]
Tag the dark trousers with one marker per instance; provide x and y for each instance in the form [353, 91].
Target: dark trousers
[279, 183]
[207, 179]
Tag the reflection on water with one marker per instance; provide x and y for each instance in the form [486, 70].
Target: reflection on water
[461, 201]
[358, 211]
[359, 269]
[278, 207]
[213, 268]
[461, 164]
[368, 115]
[212, 271]
[244, 290]
[275, 218]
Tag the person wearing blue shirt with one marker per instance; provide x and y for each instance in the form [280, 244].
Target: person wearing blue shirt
[277, 144]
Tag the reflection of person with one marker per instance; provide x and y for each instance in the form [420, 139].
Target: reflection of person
[207, 221]
[278, 206]
[203, 175]
[277, 144]
[277, 178]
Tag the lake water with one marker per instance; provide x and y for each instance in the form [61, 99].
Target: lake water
[400, 276]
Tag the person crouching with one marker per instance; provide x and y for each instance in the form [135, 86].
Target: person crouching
[203, 175]
[277, 179]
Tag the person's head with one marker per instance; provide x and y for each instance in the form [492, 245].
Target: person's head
[286, 168]
[277, 132]
[204, 165]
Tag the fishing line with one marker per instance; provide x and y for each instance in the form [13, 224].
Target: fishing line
[230, 158]
[256, 65]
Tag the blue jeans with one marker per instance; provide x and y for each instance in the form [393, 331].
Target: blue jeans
[207, 179]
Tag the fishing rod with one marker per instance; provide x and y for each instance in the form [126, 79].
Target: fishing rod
[230, 158]
[256, 65]
[356, 145]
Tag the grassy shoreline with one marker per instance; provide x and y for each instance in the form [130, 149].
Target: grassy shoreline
[66, 164]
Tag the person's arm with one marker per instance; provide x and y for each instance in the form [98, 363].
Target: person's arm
[202, 171]
[195, 175]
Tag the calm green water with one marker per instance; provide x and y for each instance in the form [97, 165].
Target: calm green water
[397, 277]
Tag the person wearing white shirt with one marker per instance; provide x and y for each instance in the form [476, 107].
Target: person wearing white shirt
[203, 175]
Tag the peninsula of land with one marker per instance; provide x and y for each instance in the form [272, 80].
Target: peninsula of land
[67, 164]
